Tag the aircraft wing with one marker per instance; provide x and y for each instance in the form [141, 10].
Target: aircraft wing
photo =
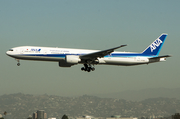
[161, 57]
[99, 54]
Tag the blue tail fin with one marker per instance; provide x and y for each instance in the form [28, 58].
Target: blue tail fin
[156, 46]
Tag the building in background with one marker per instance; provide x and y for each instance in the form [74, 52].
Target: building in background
[116, 116]
[84, 117]
[39, 115]
[176, 116]
[34, 115]
[88, 117]
[119, 117]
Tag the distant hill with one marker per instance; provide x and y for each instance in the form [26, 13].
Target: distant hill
[139, 95]
[20, 106]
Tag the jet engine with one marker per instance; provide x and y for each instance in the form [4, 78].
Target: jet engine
[72, 59]
[69, 61]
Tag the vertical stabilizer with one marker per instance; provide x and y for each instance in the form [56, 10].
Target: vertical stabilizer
[155, 47]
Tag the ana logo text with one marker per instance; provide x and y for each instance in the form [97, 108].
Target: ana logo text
[36, 50]
[155, 44]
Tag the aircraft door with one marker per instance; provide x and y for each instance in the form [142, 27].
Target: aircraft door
[45, 52]
[21, 51]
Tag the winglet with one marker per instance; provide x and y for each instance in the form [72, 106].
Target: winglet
[165, 56]
[119, 47]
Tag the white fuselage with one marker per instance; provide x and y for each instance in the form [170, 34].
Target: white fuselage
[67, 57]
[59, 55]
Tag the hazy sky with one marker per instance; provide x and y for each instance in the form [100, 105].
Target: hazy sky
[88, 24]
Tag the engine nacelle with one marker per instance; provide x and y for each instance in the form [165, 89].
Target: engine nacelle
[72, 59]
[63, 63]
[69, 61]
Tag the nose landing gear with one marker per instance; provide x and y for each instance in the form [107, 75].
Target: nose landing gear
[18, 64]
[87, 68]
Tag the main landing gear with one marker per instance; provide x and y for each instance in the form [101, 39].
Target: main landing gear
[87, 68]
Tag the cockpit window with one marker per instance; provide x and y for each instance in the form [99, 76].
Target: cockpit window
[10, 49]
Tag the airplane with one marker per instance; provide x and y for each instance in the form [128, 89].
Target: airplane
[67, 57]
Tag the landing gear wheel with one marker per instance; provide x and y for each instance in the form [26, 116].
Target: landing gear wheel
[82, 68]
[18, 64]
[93, 69]
[87, 68]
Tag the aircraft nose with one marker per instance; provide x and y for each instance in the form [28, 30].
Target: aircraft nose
[10, 52]
[7, 53]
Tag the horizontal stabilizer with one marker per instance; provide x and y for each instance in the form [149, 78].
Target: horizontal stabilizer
[161, 57]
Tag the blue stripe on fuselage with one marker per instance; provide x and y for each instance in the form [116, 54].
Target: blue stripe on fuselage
[47, 55]
[112, 55]
[130, 55]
